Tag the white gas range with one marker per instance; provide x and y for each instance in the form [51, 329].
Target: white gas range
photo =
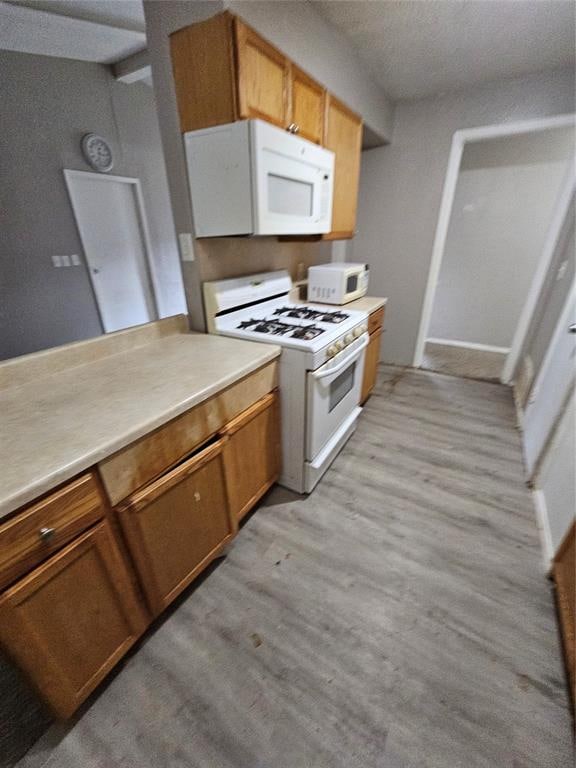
[321, 365]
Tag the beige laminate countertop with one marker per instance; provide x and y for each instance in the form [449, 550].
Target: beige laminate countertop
[366, 304]
[64, 422]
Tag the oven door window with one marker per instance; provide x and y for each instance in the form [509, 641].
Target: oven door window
[341, 385]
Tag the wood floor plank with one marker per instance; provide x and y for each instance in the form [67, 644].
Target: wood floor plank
[395, 618]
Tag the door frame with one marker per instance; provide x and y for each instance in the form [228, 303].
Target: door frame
[459, 140]
[69, 176]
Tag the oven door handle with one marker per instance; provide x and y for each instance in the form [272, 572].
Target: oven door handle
[321, 374]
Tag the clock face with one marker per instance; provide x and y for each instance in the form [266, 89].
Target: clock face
[97, 152]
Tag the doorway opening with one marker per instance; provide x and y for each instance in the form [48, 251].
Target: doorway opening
[503, 188]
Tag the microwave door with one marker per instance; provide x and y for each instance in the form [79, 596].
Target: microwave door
[289, 196]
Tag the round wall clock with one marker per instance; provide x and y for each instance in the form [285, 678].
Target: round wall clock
[97, 152]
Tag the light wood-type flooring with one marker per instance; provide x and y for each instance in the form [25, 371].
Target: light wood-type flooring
[398, 617]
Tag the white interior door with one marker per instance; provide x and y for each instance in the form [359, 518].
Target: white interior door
[556, 483]
[551, 386]
[112, 227]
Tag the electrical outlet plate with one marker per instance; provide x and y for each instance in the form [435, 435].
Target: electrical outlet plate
[186, 246]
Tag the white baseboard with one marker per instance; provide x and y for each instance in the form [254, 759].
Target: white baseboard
[469, 345]
[543, 528]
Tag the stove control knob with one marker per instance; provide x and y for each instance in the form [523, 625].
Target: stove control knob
[339, 345]
[357, 331]
[348, 339]
[332, 350]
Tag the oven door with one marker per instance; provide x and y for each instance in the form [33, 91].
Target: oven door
[333, 394]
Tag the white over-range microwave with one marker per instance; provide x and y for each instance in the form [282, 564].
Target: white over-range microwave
[337, 283]
[251, 178]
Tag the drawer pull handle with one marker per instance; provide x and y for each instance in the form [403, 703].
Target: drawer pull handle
[46, 534]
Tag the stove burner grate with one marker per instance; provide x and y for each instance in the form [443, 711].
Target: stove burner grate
[277, 327]
[306, 313]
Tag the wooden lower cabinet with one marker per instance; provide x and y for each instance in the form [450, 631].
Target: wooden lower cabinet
[69, 621]
[564, 572]
[371, 365]
[252, 454]
[178, 524]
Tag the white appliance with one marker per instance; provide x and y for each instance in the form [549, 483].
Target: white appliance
[337, 283]
[251, 178]
[321, 365]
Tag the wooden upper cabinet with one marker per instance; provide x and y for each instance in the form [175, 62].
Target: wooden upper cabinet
[225, 71]
[307, 105]
[343, 135]
[263, 78]
[203, 63]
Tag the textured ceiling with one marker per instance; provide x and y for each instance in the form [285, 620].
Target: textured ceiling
[416, 48]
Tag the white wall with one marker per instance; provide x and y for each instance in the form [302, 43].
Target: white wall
[503, 204]
[551, 301]
[401, 188]
[557, 480]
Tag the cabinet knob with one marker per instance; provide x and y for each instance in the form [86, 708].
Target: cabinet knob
[293, 128]
[46, 534]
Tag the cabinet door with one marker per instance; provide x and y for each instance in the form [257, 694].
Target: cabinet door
[69, 621]
[252, 454]
[177, 525]
[263, 76]
[371, 365]
[204, 73]
[343, 135]
[308, 105]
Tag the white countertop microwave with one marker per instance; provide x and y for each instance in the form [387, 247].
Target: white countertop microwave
[251, 178]
[337, 282]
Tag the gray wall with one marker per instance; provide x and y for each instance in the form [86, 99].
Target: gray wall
[503, 205]
[401, 188]
[47, 105]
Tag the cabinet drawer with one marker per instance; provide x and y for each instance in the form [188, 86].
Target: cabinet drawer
[376, 320]
[40, 530]
[177, 525]
[143, 461]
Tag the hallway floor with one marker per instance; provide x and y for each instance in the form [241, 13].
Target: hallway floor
[397, 617]
[459, 361]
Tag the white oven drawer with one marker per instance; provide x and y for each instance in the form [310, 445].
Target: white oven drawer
[333, 393]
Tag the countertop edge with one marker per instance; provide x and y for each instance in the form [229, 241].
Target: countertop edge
[43, 485]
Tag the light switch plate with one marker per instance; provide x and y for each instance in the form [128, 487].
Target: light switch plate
[57, 261]
[186, 246]
[65, 261]
[75, 259]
